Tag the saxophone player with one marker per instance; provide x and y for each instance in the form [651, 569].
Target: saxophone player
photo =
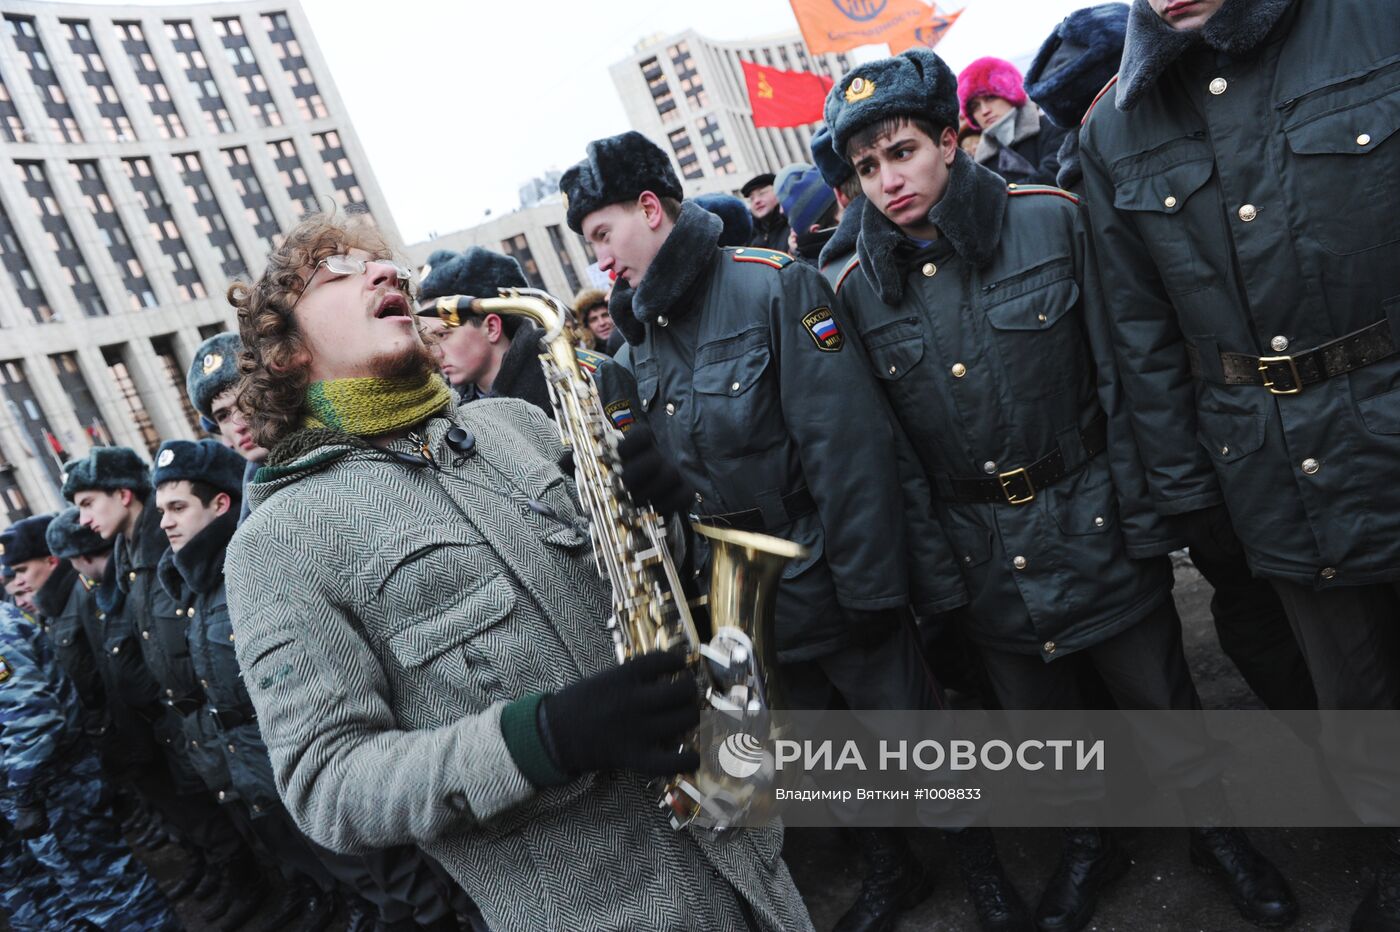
[422, 629]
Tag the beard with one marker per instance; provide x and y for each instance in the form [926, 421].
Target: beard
[414, 361]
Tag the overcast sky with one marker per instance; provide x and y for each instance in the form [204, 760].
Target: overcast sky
[458, 104]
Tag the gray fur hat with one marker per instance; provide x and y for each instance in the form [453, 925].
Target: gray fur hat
[68, 539]
[207, 461]
[24, 540]
[106, 469]
[213, 370]
[915, 83]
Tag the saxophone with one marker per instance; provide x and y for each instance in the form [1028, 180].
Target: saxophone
[650, 613]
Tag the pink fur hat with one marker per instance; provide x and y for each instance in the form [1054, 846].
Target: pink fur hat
[990, 77]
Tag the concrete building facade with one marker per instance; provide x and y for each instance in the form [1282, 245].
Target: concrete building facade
[150, 155]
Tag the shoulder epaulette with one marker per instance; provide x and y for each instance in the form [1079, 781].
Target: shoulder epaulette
[850, 267]
[588, 360]
[1015, 189]
[769, 257]
[1111, 81]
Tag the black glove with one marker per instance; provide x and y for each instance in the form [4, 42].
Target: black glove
[1210, 534]
[631, 717]
[31, 821]
[649, 476]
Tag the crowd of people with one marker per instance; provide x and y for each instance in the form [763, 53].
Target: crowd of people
[1002, 347]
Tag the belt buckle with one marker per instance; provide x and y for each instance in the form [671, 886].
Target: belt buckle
[1265, 362]
[1007, 478]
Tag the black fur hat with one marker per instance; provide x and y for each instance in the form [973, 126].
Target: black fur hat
[68, 539]
[24, 540]
[618, 168]
[106, 469]
[476, 272]
[207, 461]
[834, 168]
[914, 83]
[734, 213]
[1076, 62]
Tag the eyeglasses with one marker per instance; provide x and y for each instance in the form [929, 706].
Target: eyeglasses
[341, 266]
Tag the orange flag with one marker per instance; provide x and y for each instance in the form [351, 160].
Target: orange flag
[840, 25]
[784, 98]
[927, 34]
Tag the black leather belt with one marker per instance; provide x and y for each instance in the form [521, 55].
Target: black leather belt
[185, 707]
[1018, 486]
[796, 504]
[1286, 375]
[231, 718]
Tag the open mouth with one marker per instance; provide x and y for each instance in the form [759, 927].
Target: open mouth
[394, 304]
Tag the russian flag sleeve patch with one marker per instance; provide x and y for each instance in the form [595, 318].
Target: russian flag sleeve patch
[620, 413]
[821, 326]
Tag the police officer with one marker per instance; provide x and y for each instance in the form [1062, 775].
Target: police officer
[770, 227]
[986, 332]
[1240, 179]
[765, 418]
[53, 794]
[111, 486]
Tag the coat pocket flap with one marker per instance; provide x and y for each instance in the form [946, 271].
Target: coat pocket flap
[1166, 190]
[1227, 436]
[972, 546]
[1381, 413]
[1036, 310]
[429, 637]
[895, 348]
[732, 376]
[1353, 127]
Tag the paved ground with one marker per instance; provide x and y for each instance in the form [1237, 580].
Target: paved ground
[1161, 893]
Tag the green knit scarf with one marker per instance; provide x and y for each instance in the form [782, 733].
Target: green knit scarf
[370, 407]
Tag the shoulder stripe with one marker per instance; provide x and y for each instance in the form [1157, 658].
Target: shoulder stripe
[850, 267]
[1111, 81]
[588, 359]
[769, 257]
[1018, 189]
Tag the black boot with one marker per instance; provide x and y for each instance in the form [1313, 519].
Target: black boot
[1380, 910]
[1259, 891]
[1090, 860]
[999, 907]
[895, 881]
[318, 907]
[188, 881]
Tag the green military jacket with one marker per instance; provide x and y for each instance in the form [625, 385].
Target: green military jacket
[1243, 196]
[990, 345]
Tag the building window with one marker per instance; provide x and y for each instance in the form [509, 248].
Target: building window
[75, 389]
[62, 123]
[292, 176]
[26, 411]
[518, 247]
[245, 181]
[16, 260]
[131, 398]
[153, 88]
[13, 505]
[338, 169]
[10, 124]
[556, 239]
[163, 229]
[685, 154]
[60, 238]
[175, 376]
[196, 68]
[713, 141]
[201, 196]
[113, 233]
[104, 93]
[288, 50]
[250, 76]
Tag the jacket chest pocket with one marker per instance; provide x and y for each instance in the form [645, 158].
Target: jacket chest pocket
[226, 679]
[1038, 338]
[738, 409]
[1345, 168]
[1162, 190]
[466, 646]
[896, 351]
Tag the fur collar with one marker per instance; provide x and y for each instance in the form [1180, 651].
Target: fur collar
[52, 597]
[969, 217]
[1026, 124]
[1152, 46]
[144, 549]
[1071, 172]
[199, 566]
[520, 375]
[843, 241]
[686, 254]
[108, 594]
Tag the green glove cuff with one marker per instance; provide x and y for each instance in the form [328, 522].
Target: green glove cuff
[520, 726]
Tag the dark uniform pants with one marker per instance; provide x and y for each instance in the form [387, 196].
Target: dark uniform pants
[889, 674]
[1350, 637]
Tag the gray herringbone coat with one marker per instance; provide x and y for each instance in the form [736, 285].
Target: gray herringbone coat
[385, 613]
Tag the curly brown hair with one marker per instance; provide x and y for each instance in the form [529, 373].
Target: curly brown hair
[274, 364]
